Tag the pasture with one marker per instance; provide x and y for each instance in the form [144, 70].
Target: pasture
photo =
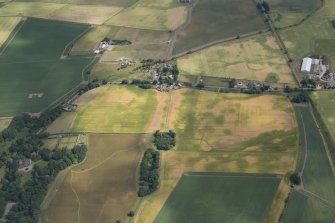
[119, 109]
[219, 19]
[316, 200]
[207, 121]
[204, 197]
[100, 189]
[289, 12]
[301, 41]
[150, 14]
[7, 25]
[257, 58]
[31, 64]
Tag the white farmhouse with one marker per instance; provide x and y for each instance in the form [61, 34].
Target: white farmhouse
[306, 65]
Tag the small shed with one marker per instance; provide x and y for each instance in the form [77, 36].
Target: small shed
[306, 65]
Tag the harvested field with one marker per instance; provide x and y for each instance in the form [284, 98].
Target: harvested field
[218, 197]
[85, 13]
[31, 64]
[117, 109]
[210, 121]
[83, 193]
[7, 25]
[219, 19]
[258, 58]
[149, 14]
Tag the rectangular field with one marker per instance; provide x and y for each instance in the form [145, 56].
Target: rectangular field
[118, 3]
[207, 121]
[217, 198]
[103, 185]
[258, 58]
[31, 65]
[219, 19]
[151, 14]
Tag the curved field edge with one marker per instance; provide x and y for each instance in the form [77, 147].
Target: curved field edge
[84, 193]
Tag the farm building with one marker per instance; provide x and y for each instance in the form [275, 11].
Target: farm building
[306, 65]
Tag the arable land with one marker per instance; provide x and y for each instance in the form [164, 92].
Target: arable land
[290, 12]
[33, 74]
[213, 20]
[257, 58]
[151, 14]
[314, 200]
[119, 3]
[7, 25]
[100, 189]
[206, 197]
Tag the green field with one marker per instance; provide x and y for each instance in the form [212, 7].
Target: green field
[302, 41]
[289, 12]
[257, 58]
[31, 65]
[219, 19]
[218, 198]
[100, 189]
[119, 3]
[316, 201]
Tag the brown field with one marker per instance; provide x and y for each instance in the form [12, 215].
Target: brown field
[100, 189]
[4, 123]
[257, 58]
[85, 13]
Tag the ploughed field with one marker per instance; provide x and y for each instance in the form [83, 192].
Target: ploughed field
[33, 75]
[213, 20]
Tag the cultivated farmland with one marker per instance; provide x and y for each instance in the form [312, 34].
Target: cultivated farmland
[4, 123]
[118, 3]
[218, 19]
[100, 189]
[150, 14]
[7, 25]
[118, 109]
[258, 58]
[201, 197]
[208, 121]
[31, 65]
[289, 12]
[315, 199]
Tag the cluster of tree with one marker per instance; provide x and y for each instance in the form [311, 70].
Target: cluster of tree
[263, 6]
[164, 140]
[93, 84]
[116, 42]
[200, 85]
[333, 23]
[144, 84]
[149, 173]
[232, 83]
[299, 98]
[27, 143]
[308, 83]
[295, 179]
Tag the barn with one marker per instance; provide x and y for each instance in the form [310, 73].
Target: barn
[306, 65]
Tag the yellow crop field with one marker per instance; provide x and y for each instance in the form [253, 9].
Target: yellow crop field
[7, 25]
[258, 58]
[100, 189]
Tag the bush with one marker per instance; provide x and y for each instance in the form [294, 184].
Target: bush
[295, 179]
[165, 140]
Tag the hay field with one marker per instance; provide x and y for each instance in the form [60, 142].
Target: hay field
[258, 58]
[100, 189]
[31, 64]
[118, 109]
[7, 25]
[218, 197]
[301, 41]
[150, 14]
[209, 121]
[289, 12]
[219, 19]
[90, 14]
[31, 9]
